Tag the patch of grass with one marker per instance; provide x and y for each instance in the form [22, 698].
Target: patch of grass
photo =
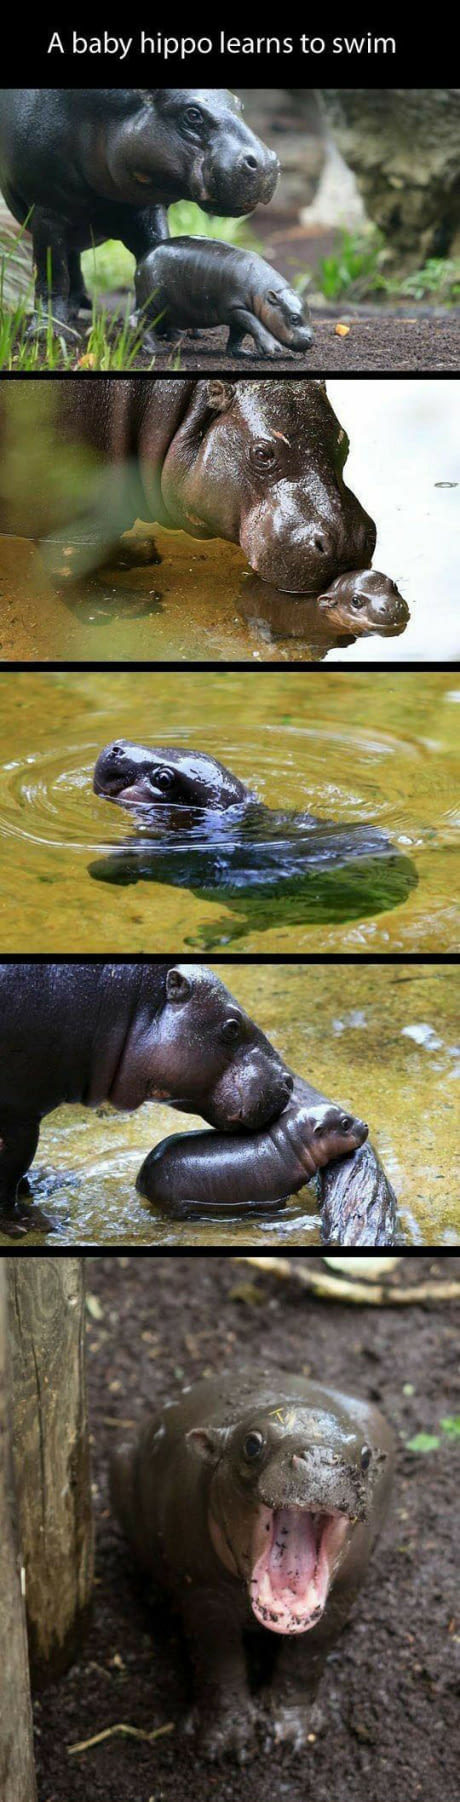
[356, 269]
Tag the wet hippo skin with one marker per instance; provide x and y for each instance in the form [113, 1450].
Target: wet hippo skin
[203, 829]
[258, 463]
[124, 1033]
[365, 601]
[193, 282]
[255, 1502]
[194, 1174]
[98, 163]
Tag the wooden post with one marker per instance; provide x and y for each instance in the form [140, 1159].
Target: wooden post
[51, 1454]
[17, 1779]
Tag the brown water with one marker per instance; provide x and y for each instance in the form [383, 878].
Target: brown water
[380, 749]
[203, 604]
[383, 1040]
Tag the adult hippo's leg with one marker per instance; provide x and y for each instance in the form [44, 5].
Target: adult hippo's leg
[18, 1144]
[52, 281]
[79, 300]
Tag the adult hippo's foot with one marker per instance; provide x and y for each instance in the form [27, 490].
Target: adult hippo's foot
[203, 1173]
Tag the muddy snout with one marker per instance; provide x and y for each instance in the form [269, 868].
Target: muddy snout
[302, 550]
[315, 1478]
[250, 1096]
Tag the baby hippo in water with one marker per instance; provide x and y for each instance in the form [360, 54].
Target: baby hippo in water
[216, 1173]
[136, 775]
[364, 601]
[190, 282]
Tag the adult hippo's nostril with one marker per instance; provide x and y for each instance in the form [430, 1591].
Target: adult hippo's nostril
[319, 544]
[250, 162]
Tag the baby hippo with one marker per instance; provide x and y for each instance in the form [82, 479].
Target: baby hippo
[255, 1501]
[365, 601]
[196, 1174]
[190, 282]
[136, 774]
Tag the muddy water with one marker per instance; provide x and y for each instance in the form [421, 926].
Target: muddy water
[202, 603]
[380, 750]
[382, 1040]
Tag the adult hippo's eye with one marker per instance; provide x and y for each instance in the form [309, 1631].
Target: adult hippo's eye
[193, 115]
[366, 1456]
[263, 456]
[253, 1446]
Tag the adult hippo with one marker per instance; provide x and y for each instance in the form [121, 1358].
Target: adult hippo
[259, 463]
[125, 1033]
[193, 282]
[202, 829]
[254, 1498]
[83, 164]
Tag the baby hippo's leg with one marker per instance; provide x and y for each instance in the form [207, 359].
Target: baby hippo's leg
[295, 1679]
[223, 1716]
[263, 340]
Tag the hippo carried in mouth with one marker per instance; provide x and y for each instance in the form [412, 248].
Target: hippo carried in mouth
[82, 165]
[255, 1502]
[193, 282]
[124, 1033]
[259, 463]
[201, 828]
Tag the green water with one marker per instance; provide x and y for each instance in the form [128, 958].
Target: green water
[372, 748]
[381, 1039]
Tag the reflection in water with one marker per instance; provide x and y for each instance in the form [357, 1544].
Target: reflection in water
[268, 868]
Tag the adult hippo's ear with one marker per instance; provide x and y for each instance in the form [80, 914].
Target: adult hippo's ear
[178, 985]
[220, 395]
[207, 1442]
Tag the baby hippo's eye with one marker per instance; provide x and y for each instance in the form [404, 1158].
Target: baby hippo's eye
[345, 1122]
[366, 1456]
[231, 1029]
[358, 600]
[253, 1446]
[163, 779]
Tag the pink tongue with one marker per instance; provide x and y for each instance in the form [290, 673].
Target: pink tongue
[293, 1552]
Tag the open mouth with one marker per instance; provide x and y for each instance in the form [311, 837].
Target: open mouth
[290, 1581]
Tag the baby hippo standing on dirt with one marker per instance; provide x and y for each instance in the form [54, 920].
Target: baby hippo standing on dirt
[190, 282]
[256, 1500]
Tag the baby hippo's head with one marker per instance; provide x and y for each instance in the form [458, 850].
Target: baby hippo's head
[332, 1133]
[283, 312]
[146, 775]
[364, 601]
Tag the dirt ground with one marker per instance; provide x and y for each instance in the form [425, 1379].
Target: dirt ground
[380, 341]
[388, 1693]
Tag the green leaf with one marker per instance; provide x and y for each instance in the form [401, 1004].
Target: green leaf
[423, 1442]
[451, 1425]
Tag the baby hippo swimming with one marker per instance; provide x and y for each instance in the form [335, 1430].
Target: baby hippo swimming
[363, 601]
[136, 774]
[190, 282]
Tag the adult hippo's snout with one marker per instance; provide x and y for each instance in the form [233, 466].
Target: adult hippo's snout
[302, 547]
[251, 1097]
[237, 171]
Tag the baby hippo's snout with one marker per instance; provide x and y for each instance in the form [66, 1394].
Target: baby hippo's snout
[334, 1133]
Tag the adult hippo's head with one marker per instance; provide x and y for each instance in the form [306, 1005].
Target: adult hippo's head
[261, 463]
[154, 776]
[166, 144]
[202, 1053]
[365, 601]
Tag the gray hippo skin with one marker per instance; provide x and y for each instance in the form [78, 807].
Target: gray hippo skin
[125, 1033]
[259, 463]
[365, 601]
[193, 282]
[255, 1501]
[195, 1174]
[98, 163]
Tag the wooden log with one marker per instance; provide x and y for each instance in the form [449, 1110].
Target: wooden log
[51, 1455]
[17, 1778]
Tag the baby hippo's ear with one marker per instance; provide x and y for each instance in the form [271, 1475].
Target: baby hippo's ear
[178, 985]
[207, 1442]
[220, 395]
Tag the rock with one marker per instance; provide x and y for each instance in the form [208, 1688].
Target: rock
[404, 147]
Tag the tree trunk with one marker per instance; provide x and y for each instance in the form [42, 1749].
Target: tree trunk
[17, 1780]
[51, 1455]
